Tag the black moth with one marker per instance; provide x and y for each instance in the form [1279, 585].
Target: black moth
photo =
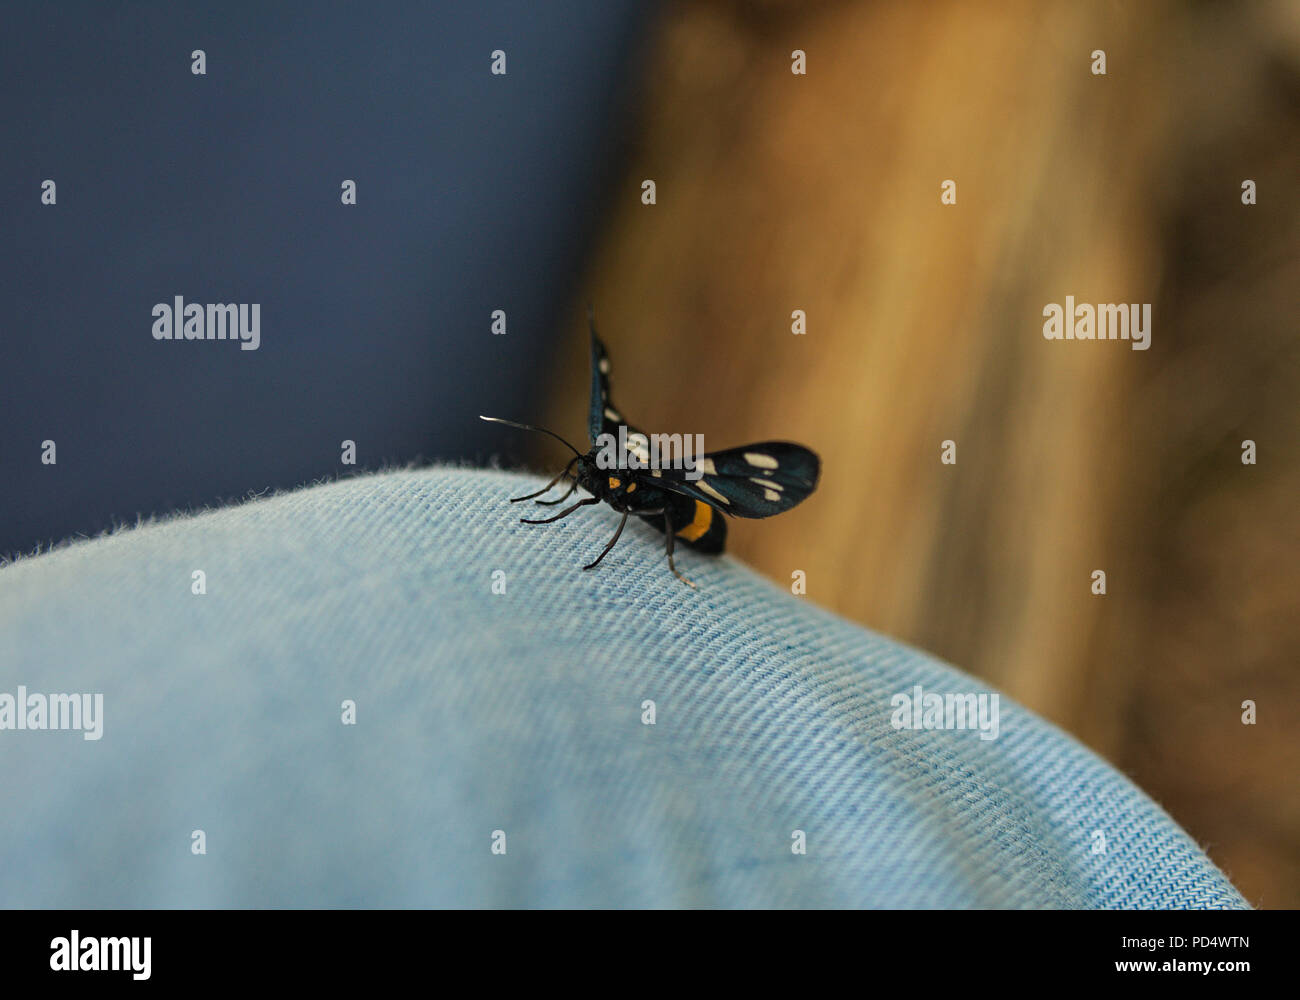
[755, 480]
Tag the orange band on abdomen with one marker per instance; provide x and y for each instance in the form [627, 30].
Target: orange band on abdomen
[703, 521]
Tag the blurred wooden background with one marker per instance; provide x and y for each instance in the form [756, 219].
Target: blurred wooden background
[778, 192]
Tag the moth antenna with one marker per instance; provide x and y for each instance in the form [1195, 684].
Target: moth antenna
[530, 427]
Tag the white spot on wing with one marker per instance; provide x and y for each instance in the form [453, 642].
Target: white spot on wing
[767, 483]
[772, 495]
[712, 492]
[759, 460]
[706, 467]
[639, 446]
[604, 366]
[612, 414]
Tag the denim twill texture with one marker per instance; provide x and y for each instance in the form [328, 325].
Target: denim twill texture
[522, 713]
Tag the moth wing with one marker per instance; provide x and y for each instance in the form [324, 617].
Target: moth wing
[603, 416]
[599, 382]
[754, 480]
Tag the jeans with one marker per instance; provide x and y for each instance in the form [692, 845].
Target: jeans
[501, 748]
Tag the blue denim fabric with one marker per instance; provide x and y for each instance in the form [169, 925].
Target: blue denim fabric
[522, 713]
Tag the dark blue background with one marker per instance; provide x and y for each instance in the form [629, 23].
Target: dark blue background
[475, 192]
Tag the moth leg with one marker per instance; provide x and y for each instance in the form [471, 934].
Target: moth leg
[668, 533]
[563, 513]
[567, 493]
[563, 472]
[612, 541]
